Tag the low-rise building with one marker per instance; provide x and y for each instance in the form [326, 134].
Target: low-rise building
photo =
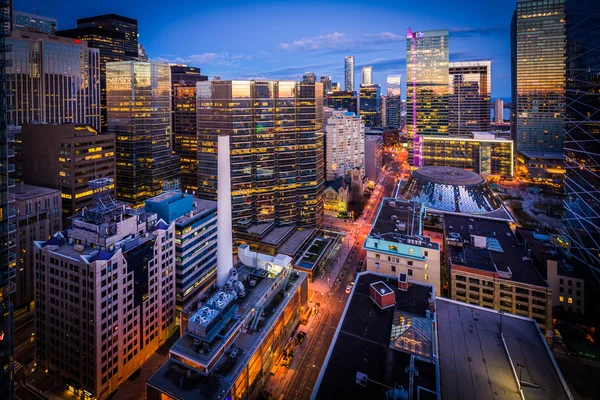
[396, 244]
[336, 196]
[540, 167]
[489, 268]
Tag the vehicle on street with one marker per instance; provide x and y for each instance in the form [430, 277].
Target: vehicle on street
[348, 289]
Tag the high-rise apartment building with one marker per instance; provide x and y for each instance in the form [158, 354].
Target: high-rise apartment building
[52, 80]
[34, 22]
[185, 135]
[393, 101]
[345, 136]
[138, 99]
[469, 102]
[66, 157]
[7, 225]
[427, 89]
[582, 131]
[370, 104]
[349, 74]
[367, 75]
[195, 241]
[276, 158]
[105, 297]
[39, 215]
[115, 37]
[343, 101]
[538, 44]
[498, 111]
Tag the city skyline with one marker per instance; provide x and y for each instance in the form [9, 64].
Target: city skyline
[476, 33]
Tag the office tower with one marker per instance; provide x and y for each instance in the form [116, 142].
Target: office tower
[427, 89]
[276, 159]
[327, 84]
[195, 241]
[349, 74]
[138, 100]
[53, 79]
[105, 296]
[538, 45]
[7, 226]
[383, 111]
[343, 101]
[34, 22]
[66, 157]
[370, 103]
[469, 102]
[498, 111]
[345, 136]
[373, 156]
[482, 152]
[335, 87]
[582, 131]
[39, 215]
[142, 55]
[185, 137]
[309, 77]
[367, 75]
[117, 39]
[393, 101]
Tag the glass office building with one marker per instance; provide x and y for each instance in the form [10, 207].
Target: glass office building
[276, 133]
[343, 101]
[394, 101]
[349, 73]
[469, 102]
[52, 80]
[427, 89]
[138, 98]
[370, 104]
[34, 22]
[582, 130]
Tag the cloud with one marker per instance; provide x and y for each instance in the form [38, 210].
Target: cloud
[223, 59]
[339, 42]
[471, 32]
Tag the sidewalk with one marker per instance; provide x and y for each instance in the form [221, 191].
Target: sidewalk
[321, 284]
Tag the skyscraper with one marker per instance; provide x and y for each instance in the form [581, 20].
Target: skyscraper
[276, 158]
[309, 77]
[54, 80]
[138, 98]
[370, 104]
[367, 75]
[34, 22]
[498, 111]
[538, 45]
[427, 89]
[469, 102]
[582, 131]
[345, 136]
[349, 73]
[185, 134]
[117, 39]
[393, 101]
[327, 84]
[343, 101]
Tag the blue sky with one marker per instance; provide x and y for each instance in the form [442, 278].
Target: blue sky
[284, 39]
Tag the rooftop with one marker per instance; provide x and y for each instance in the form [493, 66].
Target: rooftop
[364, 343]
[543, 155]
[292, 246]
[495, 250]
[475, 365]
[32, 191]
[448, 176]
[278, 234]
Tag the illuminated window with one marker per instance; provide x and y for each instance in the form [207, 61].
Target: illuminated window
[411, 251]
[377, 256]
[426, 266]
[570, 300]
[561, 299]
[426, 276]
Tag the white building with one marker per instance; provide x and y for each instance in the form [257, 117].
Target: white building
[498, 111]
[345, 135]
[367, 75]
[395, 244]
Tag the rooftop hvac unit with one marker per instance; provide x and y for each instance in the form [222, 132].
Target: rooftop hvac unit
[403, 281]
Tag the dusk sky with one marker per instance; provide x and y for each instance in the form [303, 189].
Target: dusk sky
[281, 40]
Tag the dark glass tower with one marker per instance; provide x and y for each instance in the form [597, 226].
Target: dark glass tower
[343, 101]
[185, 135]
[469, 101]
[370, 103]
[276, 148]
[582, 131]
[394, 101]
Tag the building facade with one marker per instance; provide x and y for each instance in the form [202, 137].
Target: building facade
[538, 44]
[582, 131]
[195, 241]
[343, 101]
[39, 215]
[373, 157]
[367, 75]
[349, 74]
[469, 102]
[276, 158]
[35, 22]
[52, 80]
[138, 96]
[370, 104]
[66, 157]
[396, 244]
[481, 152]
[498, 111]
[394, 101]
[109, 286]
[427, 90]
[185, 134]
[345, 136]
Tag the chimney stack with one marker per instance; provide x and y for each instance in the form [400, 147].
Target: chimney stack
[224, 228]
